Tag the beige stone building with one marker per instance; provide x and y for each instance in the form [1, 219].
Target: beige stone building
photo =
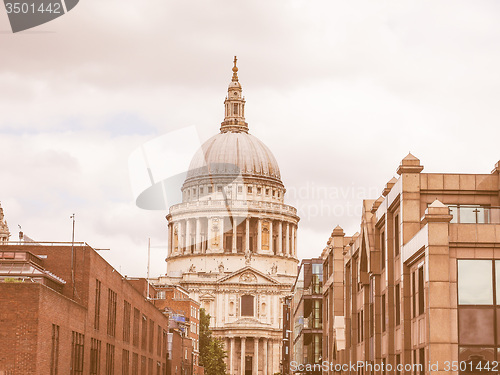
[4, 228]
[419, 285]
[233, 241]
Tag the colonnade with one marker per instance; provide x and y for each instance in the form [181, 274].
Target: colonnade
[193, 236]
[252, 347]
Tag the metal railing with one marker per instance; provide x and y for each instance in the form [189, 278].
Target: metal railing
[234, 204]
[474, 214]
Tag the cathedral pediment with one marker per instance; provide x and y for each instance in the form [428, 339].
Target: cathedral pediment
[247, 275]
[207, 297]
[250, 322]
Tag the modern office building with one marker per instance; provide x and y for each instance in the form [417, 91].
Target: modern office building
[233, 241]
[421, 280]
[307, 316]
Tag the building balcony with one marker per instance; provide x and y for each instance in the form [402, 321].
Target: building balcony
[243, 205]
[474, 214]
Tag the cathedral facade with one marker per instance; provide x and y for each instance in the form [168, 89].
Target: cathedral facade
[232, 242]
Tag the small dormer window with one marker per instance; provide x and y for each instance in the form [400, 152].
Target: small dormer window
[249, 190]
[219, 189]
[259, 190]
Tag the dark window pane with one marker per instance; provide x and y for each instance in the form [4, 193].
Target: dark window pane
[497, 276]
[421, 300]
[475, 282]
[475, 326]
[498, 326]
[474, 359]
[247, 305]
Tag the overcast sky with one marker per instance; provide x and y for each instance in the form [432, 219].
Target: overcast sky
[340, 91]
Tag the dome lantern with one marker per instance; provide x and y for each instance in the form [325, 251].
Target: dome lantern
[234, 105]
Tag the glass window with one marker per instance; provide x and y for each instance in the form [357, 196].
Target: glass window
[475, 282]
[467, 214]
[382, 250]
[497, 278]
[472, 359]
[454, 213]
[396, 235]
[475, 326]
[421, 300]
[247, 305]
[397, 302]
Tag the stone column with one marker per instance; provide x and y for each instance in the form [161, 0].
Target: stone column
[243, 351]
[259, 235]
[231, 351]
[280, 237]
[295, 241]
[271, 239]
[270, 349]
[292, 240]
[276, 351]
[287, 239]
[187, 249]
[169, 241]
[247, 233]
[180, 240]
[409, 218]
[264, 349]
[441, 334]
[221, 234]
[235, 233]
[198, 236]
[255, 366]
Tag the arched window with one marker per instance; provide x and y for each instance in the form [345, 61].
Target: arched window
[247, 305]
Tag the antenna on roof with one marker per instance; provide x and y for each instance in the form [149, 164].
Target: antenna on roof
[73, 255]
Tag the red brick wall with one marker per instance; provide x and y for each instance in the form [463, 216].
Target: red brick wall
[18, 327]
[46, 307]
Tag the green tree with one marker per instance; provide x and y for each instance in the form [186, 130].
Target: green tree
[212, 353]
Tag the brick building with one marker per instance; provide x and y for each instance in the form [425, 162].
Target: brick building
[417, 290]
[175, 301]
[65, 310]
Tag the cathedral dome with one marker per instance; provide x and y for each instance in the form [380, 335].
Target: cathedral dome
[233, 151]
[230, 152]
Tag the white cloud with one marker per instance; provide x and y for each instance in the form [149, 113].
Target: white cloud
[340, 92]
